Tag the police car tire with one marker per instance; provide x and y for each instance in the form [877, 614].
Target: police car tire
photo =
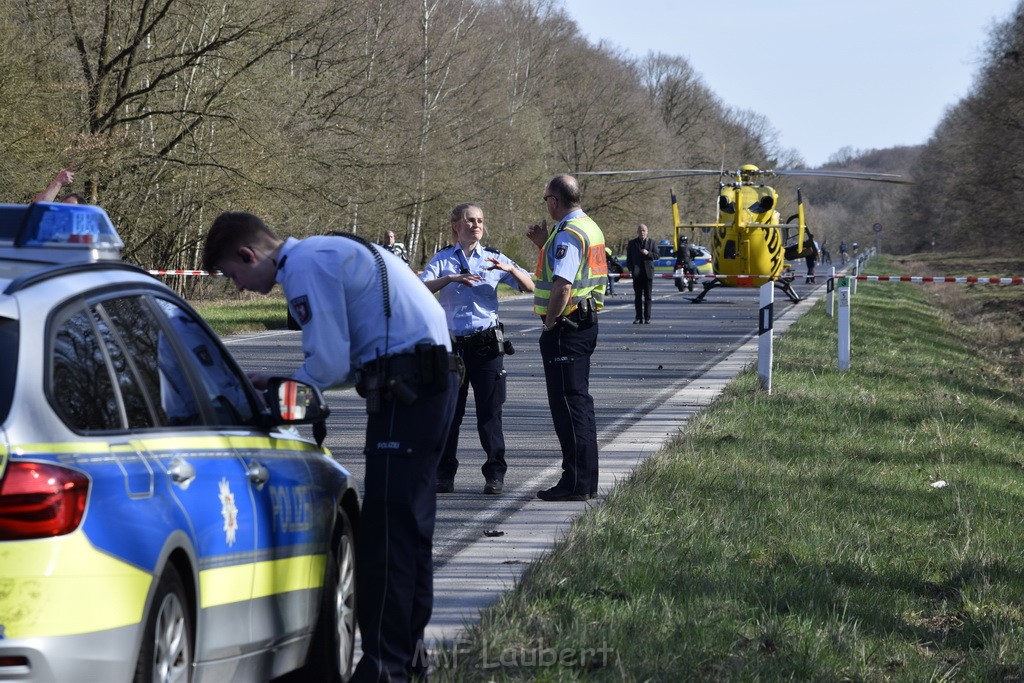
[167, 642]
[332, 649]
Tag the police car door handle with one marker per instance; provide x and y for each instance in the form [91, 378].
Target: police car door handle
[181, 472]
[258, 474]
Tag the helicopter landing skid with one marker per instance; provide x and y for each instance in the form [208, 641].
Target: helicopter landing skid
[707, 288]
[787, 287]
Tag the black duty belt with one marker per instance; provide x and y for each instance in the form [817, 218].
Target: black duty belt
[406, 376]
[481, 339]
[577, 316]
[474, 336]
[487, 343]
[413, 365]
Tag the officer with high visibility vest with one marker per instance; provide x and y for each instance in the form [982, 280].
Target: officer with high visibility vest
[570, 281]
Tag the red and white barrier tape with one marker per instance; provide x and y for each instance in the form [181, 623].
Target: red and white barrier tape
[971, 279]
[930, 278]
[663, 274]
[873, 278]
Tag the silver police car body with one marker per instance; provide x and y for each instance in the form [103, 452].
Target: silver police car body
[159, 519]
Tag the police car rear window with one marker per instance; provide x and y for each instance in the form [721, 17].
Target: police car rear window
[9, 368]
[11, 220]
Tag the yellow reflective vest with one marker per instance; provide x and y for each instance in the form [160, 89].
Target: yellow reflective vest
[592, 275]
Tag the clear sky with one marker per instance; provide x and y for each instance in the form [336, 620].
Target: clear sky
[867, 74]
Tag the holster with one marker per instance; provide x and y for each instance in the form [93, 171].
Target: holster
[585, 314]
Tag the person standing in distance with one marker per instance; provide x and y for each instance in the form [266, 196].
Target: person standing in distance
[570, 281]
[396, 248]
[466, 277]
[640, 254]
[392, 341]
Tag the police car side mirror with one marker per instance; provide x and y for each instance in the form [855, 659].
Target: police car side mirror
[294, 402]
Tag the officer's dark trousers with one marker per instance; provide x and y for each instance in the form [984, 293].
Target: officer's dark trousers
[394, 570]
[566, 355]
[642, 289]
[486, 374]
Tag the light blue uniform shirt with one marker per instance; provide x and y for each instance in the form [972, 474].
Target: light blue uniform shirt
[334, 291]
[566, 250]
[470, 308]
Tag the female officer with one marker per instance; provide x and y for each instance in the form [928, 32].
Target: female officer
[466, 278]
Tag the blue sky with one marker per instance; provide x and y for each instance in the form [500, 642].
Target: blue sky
[865, 74]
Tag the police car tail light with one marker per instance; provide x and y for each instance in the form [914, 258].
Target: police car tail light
[39, 500]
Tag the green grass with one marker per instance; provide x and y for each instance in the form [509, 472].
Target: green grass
[798, 535]
[244, 313]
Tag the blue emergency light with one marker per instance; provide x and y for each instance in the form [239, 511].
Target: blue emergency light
[43, 230]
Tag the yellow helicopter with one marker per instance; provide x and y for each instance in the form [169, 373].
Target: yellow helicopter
[749, 243]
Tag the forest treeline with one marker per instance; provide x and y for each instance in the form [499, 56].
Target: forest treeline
[371, 115]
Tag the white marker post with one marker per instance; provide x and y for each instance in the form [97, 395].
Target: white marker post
[764, 336]
[856, 271]
[844, 323]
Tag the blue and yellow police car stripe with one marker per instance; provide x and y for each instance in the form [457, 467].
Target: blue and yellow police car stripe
[67, 585]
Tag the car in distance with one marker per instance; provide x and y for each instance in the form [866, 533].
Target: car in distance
[159, 518]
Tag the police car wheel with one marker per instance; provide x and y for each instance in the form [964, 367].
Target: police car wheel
[332, 650]
[166, 653]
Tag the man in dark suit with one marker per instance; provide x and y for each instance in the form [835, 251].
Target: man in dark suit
[640, 255]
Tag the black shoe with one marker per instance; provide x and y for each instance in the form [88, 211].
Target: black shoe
[445, 486]
[637, 321]
[647, 322]
[494, 486]
[556, 494]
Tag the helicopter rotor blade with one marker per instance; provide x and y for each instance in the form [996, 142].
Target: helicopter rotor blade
[669, 176]
[744, 174]
[851, 175]
[668, 173]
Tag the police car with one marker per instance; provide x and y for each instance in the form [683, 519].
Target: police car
[159, 518]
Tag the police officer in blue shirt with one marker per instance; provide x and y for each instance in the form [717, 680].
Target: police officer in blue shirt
[365, 318]
[466, 277]
[570, 283]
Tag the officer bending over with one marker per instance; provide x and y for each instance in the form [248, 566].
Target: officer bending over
[366, 318]
[466, 278]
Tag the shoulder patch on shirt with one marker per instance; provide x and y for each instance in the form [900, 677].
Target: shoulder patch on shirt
[303, 311]
[492, 250]
[445, 247]
[560, 251]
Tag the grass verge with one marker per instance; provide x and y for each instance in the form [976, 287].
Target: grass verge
[852, 525]
[244, 313]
